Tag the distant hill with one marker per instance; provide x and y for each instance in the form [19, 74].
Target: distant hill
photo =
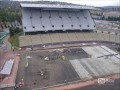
[13, 5]
[16, 4]
[48, 2]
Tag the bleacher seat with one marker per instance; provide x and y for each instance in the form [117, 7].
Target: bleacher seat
[45, 20]
[82, 19]
[36, 22]
[27, 24]
[66, 20]
[74, 20]
[89, 19]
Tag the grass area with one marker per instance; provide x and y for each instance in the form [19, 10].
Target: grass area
[14, 40]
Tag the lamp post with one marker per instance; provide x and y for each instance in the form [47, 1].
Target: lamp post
[115, 36]
[109, 35]
[0, 56]
[119, 38]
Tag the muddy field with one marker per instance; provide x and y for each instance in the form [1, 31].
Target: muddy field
[47, 68]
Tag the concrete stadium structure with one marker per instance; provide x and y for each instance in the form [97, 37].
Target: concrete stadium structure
[56, 17]
[52, 17]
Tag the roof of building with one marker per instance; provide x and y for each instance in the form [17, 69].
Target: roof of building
[56, 6]
[7, 67]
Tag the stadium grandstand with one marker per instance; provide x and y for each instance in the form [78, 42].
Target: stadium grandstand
[52, 17]
[68, 23]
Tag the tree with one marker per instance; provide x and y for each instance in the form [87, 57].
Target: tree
[13, 31]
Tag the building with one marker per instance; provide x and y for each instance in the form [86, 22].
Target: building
[53, 17]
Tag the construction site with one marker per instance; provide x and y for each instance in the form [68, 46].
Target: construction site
[61, 49]
[66, 65]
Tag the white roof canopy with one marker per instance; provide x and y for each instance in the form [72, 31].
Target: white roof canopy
[56, 6]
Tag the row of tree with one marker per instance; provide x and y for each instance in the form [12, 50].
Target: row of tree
[111, 18]
[13, 31]
[9, 16]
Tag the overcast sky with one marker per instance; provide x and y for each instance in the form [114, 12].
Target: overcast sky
[88, 2]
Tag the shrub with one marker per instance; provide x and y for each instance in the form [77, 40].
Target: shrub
[13, 31]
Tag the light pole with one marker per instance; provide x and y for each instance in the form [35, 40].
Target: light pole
[109, 35]
[0, 56]
[115, 37]
[119, 38]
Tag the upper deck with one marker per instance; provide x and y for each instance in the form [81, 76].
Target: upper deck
[57, 6]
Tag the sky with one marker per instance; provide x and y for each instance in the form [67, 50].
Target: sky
[88, 2]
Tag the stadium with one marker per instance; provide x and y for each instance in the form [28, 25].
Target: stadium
[54, 24]
[61, 46]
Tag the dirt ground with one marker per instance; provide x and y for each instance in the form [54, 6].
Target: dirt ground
[47, 68]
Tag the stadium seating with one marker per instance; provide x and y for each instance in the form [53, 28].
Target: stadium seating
[37, 25]
[46, 38]
[80, 36]
[67, 37]
[45, 20]
[55, 37]
[60, 19]
[56, 21]
[26, 20]
[83, 20]
[74, 20]
[89, 19]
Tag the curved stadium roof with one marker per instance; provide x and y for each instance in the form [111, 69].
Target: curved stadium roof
[56, 6]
